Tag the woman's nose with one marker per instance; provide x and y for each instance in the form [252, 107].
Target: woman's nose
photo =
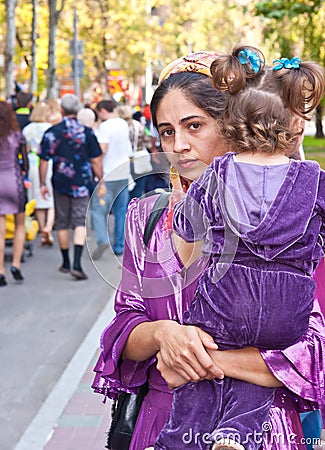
[181, 144]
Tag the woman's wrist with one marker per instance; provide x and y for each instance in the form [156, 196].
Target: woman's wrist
[160, 328]
[142, 343]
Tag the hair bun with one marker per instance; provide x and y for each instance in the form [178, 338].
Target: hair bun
[230, 72]
[252, 59]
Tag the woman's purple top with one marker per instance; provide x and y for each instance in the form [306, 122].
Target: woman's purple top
[157, 270]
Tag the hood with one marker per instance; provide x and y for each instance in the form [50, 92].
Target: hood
[267, 207]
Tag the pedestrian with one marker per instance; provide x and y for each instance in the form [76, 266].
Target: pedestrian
[146, 341]
[141, 144]
[13, 169]
[24, 104]
[257, 289]
[113, 137]
[55, 114]
[44, 208]
[77, 158]
[87, 117]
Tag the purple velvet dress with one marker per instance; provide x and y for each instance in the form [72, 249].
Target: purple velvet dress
[159, 270]
[257, 289]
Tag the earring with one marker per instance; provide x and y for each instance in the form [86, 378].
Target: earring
[175, 179]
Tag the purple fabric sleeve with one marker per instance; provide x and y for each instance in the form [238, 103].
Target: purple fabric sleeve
[320, 204]
[300, 367]
[195, 212]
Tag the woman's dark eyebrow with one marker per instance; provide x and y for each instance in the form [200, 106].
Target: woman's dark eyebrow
[185, 119]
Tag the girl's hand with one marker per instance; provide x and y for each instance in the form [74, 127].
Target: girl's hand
[183, 348]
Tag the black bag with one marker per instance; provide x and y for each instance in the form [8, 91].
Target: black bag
[126, 407]
[125, 412]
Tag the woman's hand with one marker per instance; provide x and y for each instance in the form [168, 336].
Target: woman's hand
[183, 349]
[172, 378]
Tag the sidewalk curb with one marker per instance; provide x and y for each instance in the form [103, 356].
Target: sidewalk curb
[42, 426]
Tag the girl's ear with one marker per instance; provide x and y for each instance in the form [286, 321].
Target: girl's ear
[298, 126]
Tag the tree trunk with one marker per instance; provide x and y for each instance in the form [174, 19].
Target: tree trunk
[33, 79]
[54, 15]
[319, 126]
[10, 47]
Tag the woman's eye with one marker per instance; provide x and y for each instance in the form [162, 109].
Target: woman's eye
[194, 126]
[166, 133]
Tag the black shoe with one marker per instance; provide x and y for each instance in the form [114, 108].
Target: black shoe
[63, 269]
[78, 274]
[16, 273]
[3, 281]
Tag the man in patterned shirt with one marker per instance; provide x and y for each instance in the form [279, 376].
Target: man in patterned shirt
[77, 158]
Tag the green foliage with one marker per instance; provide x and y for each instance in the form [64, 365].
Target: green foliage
[294, 27]
[313, 144]
[126, 32]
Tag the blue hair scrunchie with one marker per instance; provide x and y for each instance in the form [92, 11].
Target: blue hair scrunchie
[285, 63]
[249, 57]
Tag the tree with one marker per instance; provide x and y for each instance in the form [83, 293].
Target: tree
[33, 78]
[54, 15]
[10, 46]
[296, 28]
[137, 35]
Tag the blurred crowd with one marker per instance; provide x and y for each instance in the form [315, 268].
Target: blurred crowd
[57, 157]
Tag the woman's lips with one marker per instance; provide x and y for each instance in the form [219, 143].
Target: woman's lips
[186, 163]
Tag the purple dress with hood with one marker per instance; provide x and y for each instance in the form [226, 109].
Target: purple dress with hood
[155, 285]
[257, 289]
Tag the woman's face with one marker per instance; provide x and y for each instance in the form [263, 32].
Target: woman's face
[188, 135]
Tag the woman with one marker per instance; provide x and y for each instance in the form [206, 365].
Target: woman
[185, 111]
[13, 168]
[44, 209]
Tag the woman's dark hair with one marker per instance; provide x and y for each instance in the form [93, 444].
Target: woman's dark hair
[197, 88]
[8, 120]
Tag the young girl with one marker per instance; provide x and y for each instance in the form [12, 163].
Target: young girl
[261, 217]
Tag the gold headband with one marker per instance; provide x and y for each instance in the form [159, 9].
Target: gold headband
[199, 62]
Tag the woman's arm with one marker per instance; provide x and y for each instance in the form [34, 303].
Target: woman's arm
[183, 348]
[23, 152]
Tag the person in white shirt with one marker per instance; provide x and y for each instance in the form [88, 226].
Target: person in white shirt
[113, 137]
